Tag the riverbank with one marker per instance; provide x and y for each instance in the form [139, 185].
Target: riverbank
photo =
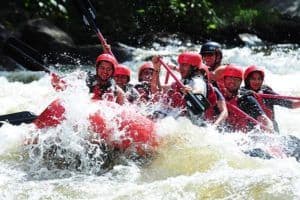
[58, 34]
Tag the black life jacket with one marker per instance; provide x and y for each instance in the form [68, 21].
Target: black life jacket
[109, 88]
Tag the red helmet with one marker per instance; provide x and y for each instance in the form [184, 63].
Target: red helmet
[192, 58]
[123, 70]
[107, 57]
[233, 70]
[146, 65]
[253, 68]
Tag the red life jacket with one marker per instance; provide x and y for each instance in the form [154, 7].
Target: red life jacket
[220, 86]
[174, 98]
[268, 111]
[236, 120]
[144, 90]
[210, 113]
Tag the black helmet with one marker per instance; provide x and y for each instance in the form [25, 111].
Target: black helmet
[211, 47]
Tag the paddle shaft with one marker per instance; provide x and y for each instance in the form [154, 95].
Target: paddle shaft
[197, 103]
[103, 41]
[24, 55]
[168, 75]
[275, 96]
[170, 72]
[167, 78]
[236, 109]
[88, 13]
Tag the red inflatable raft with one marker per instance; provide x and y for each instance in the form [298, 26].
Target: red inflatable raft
[133, 129]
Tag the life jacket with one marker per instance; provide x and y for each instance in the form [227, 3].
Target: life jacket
[268, 111]
[211, 113]
[219, 78]
[174, 97]
[105, 92]
[235, 120]
[177, 100]
[144, 91]
[220, 85]
[131, 93]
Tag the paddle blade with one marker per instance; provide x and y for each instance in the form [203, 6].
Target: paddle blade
[86, 22]
[18, 118]
[91, 8]
[87, 11]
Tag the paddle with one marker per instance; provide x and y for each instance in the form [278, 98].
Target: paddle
[24, 55]
[29, 58]
[88, 13]
[196, 103]
[167, 78]
[273, 150]
[168, 75]
[18, 118]
[275, 96]
[245, 115]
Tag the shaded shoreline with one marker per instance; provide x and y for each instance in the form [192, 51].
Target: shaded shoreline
[67, 41]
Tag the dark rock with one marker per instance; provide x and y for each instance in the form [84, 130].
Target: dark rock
[291, 8]
[250, 39]
[281, 28]
[42, 34]
[4, 34]
[8, 64]
[88, 54]
[59, 47]
[48, 39]
[285, 28]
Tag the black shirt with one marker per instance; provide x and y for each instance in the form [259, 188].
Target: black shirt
[249, 105]
[92, 82]
[270, 103]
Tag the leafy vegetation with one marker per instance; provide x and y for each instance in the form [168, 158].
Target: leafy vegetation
[132, 20]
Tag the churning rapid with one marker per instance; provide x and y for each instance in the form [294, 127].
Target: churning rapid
[191, 162]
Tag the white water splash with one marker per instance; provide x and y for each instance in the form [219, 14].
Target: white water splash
[191, 163]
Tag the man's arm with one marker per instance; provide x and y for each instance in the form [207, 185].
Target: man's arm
[251, 106]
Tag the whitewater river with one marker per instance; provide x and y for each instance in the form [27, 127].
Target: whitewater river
[191, 162]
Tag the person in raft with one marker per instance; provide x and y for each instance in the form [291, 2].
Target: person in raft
[195, 77]
[102, 84]
[122, 79]
[253, 81]
[212, 55]
[217, 112]
[148, 85]
[239, 119]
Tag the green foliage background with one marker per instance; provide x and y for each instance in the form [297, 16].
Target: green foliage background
[133, 20]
